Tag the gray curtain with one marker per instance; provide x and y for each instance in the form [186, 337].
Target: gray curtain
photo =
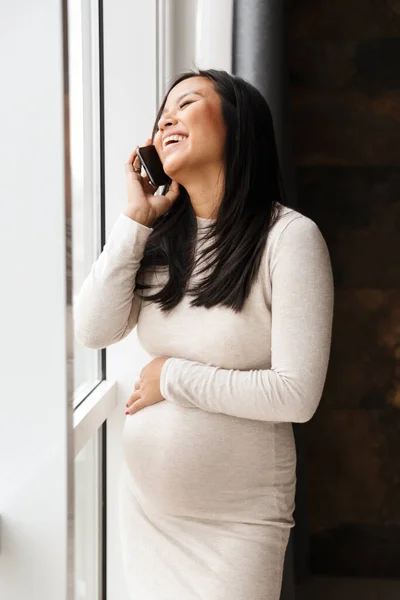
[259, 57]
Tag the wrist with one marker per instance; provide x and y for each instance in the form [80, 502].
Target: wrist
[138, 217]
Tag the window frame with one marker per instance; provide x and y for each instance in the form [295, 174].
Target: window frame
[87, 141]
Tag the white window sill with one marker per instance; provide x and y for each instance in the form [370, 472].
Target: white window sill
[92, 413]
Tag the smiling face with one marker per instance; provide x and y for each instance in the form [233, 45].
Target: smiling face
[193, 113]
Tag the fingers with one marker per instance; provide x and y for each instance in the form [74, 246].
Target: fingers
[133, 162]
[148, 187]
[136, 406]
[173, 192]
[132, 155]
[135, 396]
[133, 399]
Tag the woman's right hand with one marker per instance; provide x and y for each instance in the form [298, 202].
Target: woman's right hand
[143, 205]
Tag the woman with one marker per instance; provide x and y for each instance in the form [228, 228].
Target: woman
[239, 325]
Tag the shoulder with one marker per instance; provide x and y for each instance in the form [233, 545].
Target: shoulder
[289, 223]
[293, 232]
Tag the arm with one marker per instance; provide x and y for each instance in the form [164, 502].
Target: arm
[106, 309]
[302, 314]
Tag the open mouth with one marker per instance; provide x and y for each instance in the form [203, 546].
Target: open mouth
[174, 140]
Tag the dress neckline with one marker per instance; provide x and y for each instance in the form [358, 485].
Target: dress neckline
[202, 222]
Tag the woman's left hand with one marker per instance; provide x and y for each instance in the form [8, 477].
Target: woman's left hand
[147, 389]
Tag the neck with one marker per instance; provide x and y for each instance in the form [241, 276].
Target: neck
[205, 191]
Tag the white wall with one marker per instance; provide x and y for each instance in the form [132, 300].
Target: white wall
[33, 356]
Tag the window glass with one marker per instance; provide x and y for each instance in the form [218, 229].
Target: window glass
[88, 521]
[85, 168]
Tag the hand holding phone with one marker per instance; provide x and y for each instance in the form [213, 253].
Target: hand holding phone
[152, 164]
[143, 205]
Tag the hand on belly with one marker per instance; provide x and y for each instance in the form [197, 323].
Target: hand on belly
[147, 388]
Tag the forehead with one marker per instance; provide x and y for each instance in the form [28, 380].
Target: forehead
[203, 85]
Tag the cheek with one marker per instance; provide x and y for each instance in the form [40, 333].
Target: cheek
[211, 119]
[219, 127]
[217, 135]
[211, 130]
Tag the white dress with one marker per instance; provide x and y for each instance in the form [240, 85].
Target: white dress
[208, 483]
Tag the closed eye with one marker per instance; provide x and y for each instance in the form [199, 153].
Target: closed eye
[185, 103]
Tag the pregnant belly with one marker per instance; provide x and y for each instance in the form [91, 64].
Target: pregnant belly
[188, 462]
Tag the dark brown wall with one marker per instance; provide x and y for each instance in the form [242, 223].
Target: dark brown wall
[344, 61]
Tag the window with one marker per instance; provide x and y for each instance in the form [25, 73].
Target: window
[88, 520]
[84, 88]
[84, 18]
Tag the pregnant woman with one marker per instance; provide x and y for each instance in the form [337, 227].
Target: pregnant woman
[232, 293]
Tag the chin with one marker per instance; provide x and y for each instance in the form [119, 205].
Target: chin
[173, 168]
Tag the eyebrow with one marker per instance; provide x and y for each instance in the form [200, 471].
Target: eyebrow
[183, 95]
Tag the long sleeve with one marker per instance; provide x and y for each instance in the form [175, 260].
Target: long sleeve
[302, 305]
[106, 308]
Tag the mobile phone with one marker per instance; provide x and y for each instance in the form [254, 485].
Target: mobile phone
[152, 164]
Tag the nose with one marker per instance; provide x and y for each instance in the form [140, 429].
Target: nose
[166, 120]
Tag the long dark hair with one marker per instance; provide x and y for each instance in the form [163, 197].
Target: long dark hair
[249, 207]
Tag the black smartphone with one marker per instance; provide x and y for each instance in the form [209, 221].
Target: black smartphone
[152, 164]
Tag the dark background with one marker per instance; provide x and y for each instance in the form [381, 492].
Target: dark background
[343, 58]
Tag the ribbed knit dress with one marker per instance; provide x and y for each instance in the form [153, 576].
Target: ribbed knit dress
[207, 484]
